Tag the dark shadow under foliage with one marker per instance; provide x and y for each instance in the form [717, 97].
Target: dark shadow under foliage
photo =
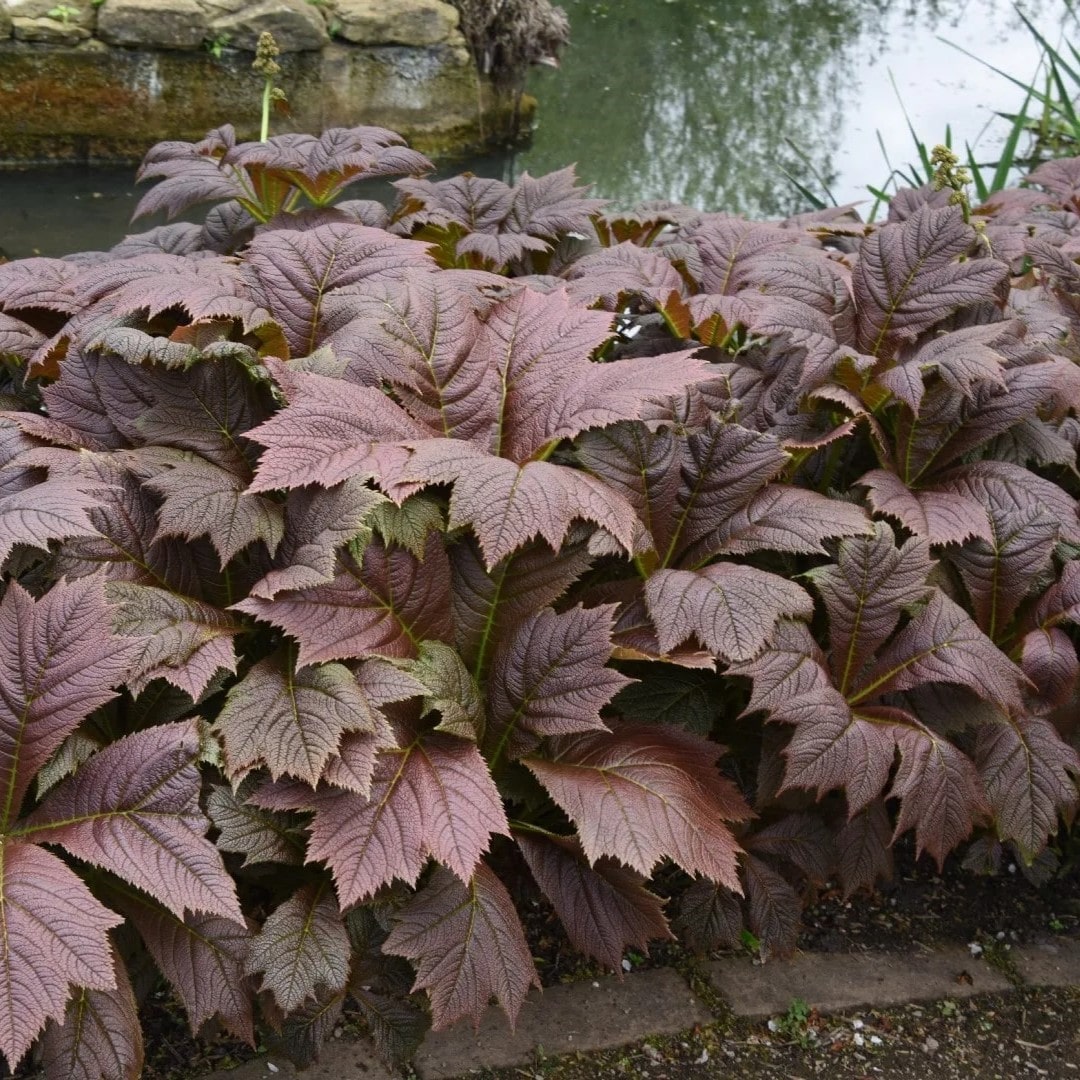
[493, 536]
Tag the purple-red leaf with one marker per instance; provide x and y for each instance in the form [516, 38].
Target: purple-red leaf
[204, 499]
[604, 907]
[318, 522]
[133, 808]
[53, 936]
[293, 271]
[938, 516]
[203, 958]
[100, 1037]
[910, 277]
[467, 944]
[732, 610]
[641, 793]
[1030, 774]
[292, 721]
[53, 510]
[710, 917]
[434, 797]
[330, 431]
[865, 592]
[938, 787]
[508, 505]
[550, 677]
[57, 664]
[942, 644]
[387, 607]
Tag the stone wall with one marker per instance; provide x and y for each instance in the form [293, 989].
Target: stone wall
[102, 80]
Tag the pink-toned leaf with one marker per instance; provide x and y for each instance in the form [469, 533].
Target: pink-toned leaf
[641, 793]
[999, 573]
[318, 522]
[488, 604]
[293, 271]
[939, 790]
[537, 347]
[910, 277]
[133, 809]
[1048, 658]
[963, 359]
[393, 602]
[54, 936]
[1031, 776]
[728, 465]
[550, 677]
[865, 592]
[642, 466]
[1061, 602]
[57, 664]
[330, 431]
[940, 517]
[508, 505]
[732, 610]
[788, 519]
[467, 944]
[434, 797]
[203, 499]
[942, 644]
[727, 245]
[53, 510]
[604, 907]
[100, 1037]
[203, 958]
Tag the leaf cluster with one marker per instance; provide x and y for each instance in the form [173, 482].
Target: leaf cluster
[368, 570]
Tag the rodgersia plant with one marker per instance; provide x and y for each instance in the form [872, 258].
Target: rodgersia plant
[361, 562]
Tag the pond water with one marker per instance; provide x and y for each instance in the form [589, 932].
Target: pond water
[716, 103]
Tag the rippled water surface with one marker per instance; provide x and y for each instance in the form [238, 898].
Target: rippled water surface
[709, 102]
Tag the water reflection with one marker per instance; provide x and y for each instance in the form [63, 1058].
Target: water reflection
[694, 100]
[700, 100]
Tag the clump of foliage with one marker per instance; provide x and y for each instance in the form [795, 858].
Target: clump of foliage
[361, 563]
[508, 36]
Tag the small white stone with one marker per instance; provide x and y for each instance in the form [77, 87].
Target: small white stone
[857, 1025]
[975, 948]
[773, 1025]
[931, 1044]
[596, 986]
[858, 1040]
[271, 1067]
[875, 1040]
[702, 1057]
[626, 965]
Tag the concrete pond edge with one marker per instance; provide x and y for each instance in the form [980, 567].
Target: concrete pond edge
[608, 1012]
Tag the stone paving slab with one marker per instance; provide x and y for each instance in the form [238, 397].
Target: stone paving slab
[832, 982]
[1049, 963]
[340, 1060]
[564, 1019]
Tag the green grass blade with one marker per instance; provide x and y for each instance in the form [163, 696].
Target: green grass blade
[1008, 151]
[815, 201]
[976, 175]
